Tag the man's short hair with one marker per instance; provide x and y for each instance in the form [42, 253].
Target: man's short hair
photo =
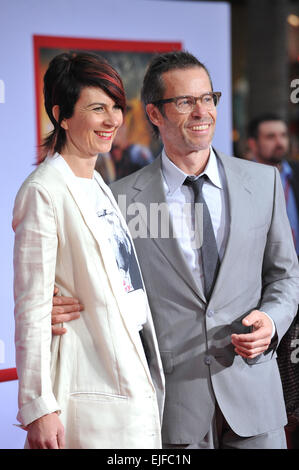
[153, 87]
[254, 124]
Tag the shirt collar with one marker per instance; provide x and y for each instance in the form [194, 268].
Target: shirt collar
[174, 177]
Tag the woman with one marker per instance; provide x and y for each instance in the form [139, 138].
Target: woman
[92, 387]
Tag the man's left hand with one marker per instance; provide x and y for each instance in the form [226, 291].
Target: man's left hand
[250, 345]
[64, 309]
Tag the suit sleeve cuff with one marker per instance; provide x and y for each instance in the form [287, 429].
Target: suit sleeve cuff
[37, 408]
[273, 325]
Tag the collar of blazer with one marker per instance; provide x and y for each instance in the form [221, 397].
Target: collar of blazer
[149, 189]
[107, 255]
[88, 214]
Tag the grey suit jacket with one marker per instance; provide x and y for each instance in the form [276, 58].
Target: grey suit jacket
[259, 270]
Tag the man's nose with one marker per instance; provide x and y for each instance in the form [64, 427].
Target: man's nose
[281, 142]
[199, 109]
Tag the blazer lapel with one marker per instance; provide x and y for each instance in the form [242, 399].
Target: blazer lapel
[126, 318]
[149, 186]
[90, 219]
[107, 254]
[239, 202]
[150, 192]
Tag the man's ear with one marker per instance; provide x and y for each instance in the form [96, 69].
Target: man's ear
[252, 145]
[154, 114]
[56, 113]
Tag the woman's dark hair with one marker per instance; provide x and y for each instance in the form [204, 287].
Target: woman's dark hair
[153, 87]
[66, 76]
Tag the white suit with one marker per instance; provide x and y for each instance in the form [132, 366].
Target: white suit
[97, 373]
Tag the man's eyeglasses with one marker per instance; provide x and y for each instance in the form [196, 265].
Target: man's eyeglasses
[186, 104]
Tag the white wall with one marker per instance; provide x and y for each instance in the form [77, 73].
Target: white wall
[202, 27]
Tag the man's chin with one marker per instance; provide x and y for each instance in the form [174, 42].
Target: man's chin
[276, 160]
[273, 160]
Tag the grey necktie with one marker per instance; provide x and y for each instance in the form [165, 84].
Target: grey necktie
[209, 250]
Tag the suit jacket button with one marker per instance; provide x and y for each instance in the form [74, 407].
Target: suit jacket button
[207, 360]
[210, 312]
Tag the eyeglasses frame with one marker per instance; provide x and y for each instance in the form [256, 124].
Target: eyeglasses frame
[196, 98]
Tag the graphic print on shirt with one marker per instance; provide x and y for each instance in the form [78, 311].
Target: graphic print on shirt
[124, 252]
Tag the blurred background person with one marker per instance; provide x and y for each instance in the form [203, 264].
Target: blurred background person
[269, 143]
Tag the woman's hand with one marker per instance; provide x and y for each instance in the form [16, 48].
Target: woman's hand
[46, 432]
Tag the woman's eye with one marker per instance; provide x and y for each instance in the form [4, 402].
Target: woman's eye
[99, 109]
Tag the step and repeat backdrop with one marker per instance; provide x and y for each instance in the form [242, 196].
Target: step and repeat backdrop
[127, 33]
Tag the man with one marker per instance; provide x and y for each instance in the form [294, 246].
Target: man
[217, 327]
[268, 141]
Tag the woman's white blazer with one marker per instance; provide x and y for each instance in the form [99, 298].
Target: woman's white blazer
[96, 375]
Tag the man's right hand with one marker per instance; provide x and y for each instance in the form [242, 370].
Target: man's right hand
[65, 309]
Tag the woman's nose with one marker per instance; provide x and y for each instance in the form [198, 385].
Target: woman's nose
[113, 119]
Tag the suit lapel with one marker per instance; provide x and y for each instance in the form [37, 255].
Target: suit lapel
[131, 327]
[149, 186]
[239, 203]
[106, 252]
[150, 191]
[91, 221]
